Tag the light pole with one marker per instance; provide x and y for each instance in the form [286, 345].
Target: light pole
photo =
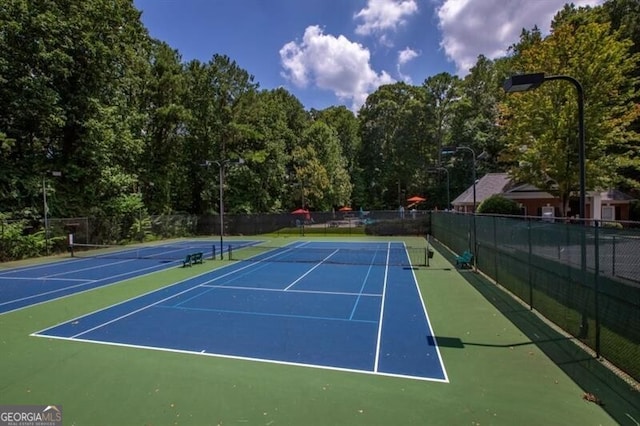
[435, 170]
[46, 208]
[453, 150]
[221, 165]
[525, 82]
[302, 202]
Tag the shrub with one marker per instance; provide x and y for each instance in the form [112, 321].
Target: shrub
[497, 204]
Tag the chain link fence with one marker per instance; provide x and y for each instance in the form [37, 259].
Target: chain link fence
[23, 239]
[586, 279]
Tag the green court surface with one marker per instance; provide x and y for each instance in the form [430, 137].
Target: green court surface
[505, 367]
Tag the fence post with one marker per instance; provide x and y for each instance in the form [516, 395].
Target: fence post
[584, 321]
[495, 250]
[596, 291]
[613, 257]
[530, 264]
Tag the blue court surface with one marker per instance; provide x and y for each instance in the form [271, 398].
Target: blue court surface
[284, 307]
[31, 285]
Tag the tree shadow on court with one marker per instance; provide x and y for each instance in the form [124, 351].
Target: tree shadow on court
[618, 397]
[457, 343]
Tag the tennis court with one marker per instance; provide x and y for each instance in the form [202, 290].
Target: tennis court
[315, 331]
[90, 269]
[307, 303]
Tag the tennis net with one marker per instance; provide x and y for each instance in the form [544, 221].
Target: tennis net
[167, 252]
[405, 256]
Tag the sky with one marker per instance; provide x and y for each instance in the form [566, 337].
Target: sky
[337, 52]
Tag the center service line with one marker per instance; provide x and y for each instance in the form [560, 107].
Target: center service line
[384, 293]
[309, 271]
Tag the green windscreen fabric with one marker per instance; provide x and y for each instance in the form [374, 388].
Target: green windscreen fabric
[586, 279]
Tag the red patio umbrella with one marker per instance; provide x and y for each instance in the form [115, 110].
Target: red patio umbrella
[345, 209]
[300, 211]
[416, 199]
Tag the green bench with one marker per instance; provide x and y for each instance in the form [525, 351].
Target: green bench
[197, 257]
[193, 258]
[464, 260]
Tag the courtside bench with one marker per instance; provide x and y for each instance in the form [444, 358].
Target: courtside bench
[193, 258]
[464, 260]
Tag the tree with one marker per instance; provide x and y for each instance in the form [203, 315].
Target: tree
[624, 16]
[163, 163]
[472, 121]
[325, 144]
[69, 100]
[270, 183]
[215, 93]
[442, 94]
[395, 147]
[541, 125]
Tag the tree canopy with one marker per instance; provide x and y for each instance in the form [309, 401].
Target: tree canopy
[84, 90]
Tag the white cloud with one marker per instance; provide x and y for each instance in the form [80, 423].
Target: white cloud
[331, 63]
[383, 15]
[404, 56]
[473, 27]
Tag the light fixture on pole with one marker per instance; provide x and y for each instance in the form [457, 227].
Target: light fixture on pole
[221, 165]
[46, 208]
[525, 82]
[436, 170]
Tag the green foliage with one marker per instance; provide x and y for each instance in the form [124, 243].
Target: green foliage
[498, 204]
[84, 90]
[613, 225]
[442, 94]
[394, 148]
[540, 125]
[16, 243]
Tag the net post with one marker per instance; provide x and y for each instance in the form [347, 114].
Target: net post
[427, 250]
[213, 252]
[229, 252]
[70, 243]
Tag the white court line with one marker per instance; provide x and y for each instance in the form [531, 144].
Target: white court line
[249, 265]
[260, 264]
[90, 268]
[158, 256]
[39, 266]
[134, 312]
[337, 293]
[102, 257]
[46, 278]
[59, 262]
[364, 283]
[309, 271]
[424, 309]
[70, 287]
[151, 268]
[158, 302]
[244, 358]
[384, 293]
[374, 372]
